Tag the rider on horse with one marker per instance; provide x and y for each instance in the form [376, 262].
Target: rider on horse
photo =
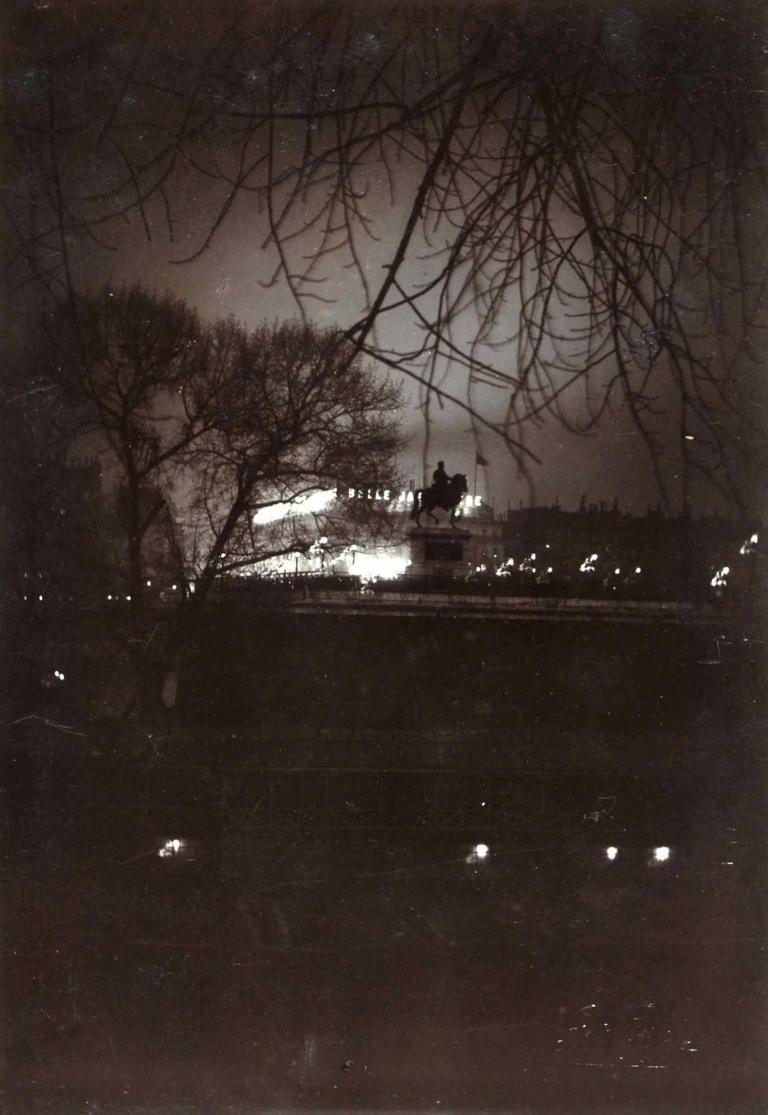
[445, 492]
[440, 478]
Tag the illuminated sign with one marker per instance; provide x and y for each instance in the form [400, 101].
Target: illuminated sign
[384, 495]
[403, 498]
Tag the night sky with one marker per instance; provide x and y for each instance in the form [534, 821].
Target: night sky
[168, 130]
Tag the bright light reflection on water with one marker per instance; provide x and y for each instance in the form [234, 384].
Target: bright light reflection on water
[172, 848]
[479, 852]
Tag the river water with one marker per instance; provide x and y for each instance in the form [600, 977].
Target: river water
[521, 871]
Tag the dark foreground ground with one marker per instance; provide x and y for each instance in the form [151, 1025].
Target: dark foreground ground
[324, 934]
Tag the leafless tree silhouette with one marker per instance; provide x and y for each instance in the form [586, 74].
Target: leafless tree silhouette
[207, 425]
[126, 362]
[203, 426]
[562, 204]
[300, 412]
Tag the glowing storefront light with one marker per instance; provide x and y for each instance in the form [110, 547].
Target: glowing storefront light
[309, 504]
[374, 566]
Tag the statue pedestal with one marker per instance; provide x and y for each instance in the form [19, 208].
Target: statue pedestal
[438, 552]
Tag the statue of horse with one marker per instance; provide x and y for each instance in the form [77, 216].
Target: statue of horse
[446, 496]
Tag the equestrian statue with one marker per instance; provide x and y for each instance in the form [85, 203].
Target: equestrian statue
[445, 492]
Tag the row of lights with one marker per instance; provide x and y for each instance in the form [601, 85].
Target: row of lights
[116, 595]
[660, 854]
[479, 853]
[587, 565]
